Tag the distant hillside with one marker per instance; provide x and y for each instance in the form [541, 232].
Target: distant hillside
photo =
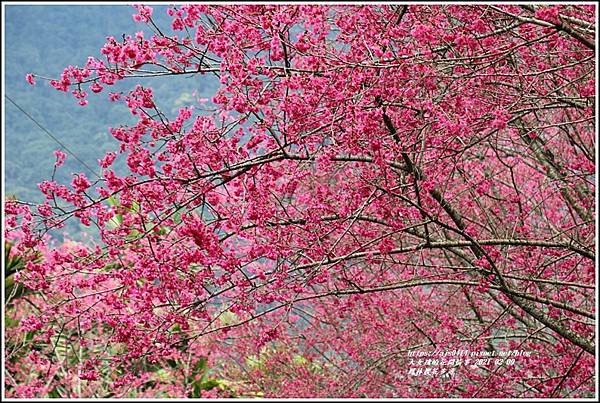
[43, 40]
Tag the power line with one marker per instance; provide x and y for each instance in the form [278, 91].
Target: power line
[52, 136]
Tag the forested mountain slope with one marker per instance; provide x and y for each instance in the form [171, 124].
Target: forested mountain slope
[43, 39]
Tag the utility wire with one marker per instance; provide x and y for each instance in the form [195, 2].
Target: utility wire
[52, 136]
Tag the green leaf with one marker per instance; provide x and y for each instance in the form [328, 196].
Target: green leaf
[113, 201]
[11, 322]
[133, 235]
[228, 318]
[13, 290]
[115, 221]
[200, 368]
[112, 266]
[299, 360]
[29, 336]
[11, 263]
[163, 375]
[54, 393]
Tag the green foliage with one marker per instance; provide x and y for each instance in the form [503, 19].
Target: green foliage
[12, 265]
[200, 380]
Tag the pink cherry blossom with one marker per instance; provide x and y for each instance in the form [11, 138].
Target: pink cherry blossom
[30, 79]
[369, 183]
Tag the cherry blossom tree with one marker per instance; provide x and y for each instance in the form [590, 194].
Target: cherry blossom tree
[369, 182]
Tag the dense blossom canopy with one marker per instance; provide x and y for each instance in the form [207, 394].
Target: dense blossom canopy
[368, 181]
